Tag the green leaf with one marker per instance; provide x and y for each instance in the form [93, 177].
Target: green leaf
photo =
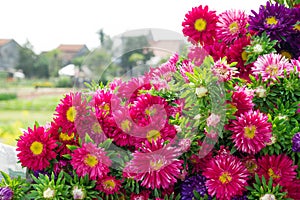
[6, 177]
[88, 139]
[68, 156]
[72, 147]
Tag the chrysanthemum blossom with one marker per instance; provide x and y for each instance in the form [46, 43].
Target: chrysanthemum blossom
[223, 70]
[6, 193]
[199, 25]
[251, 131]
[274, 19]
[270, 66]
[231, 25]
[156, 165]
[191, 184]
[108, 185]
[279, 167]
[296, 142]
[36, 148]
[90, 160]
[242, 99]
[226, 177]
[197, 55]
[71, 108]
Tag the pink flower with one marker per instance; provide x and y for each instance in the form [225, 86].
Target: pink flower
[251, 131]
[90, 160]
[156, 165]
[226, 177]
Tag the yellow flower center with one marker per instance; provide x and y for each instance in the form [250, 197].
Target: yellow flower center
[272, 70]
[272, 174]
[297, 26]
[233, 27]
[71, 114]
[286, 54]
[36, 148]
[200, 24]
[250, 131]
[97, 128]
[244, 55]
[91, 160]
[153, 135]
[66, 136]
[156, 164]
[225, 178]
[109, 184]
[126, 125]
[105, 107]
[271, 21]
[150, 111]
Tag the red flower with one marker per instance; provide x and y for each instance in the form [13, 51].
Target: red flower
[279, 167]
[227, 177]
[199, 25]
[36, 148]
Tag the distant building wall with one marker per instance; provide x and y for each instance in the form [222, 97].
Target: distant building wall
[9, 55]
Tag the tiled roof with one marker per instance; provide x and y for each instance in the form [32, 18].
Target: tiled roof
[70, 47]
[4, 41]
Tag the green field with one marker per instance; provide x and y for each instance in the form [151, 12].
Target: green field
[22, 113]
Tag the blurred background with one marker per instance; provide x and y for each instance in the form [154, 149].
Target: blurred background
[49, 48]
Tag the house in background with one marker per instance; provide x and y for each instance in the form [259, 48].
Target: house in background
[9, 54]
[70, 51]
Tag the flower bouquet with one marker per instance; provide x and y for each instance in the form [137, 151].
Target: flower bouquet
[220, 121]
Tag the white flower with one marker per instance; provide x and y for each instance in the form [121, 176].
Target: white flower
[197, 117]
[78, 193]
[258, 48]
[49, 193]
[201, 91]
[268, 197]
[260, 92]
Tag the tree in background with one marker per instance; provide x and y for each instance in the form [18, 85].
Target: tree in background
[27, 59]
[135, 51]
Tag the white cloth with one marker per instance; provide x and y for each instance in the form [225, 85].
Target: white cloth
[8, 161]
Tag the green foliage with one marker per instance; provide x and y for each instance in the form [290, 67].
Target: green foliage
[7, 96]
[64, 82]
[57, 186]
[288, 3]
[259, 45]
[261, 187]
[18, 185]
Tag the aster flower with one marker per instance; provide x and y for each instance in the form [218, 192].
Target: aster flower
[108, 185]
[293, 189]
[155, 165]
[270, 66]
[36, 148]
[101, 102]
[295, 65]
[296, 142]
[237, 53]
[251, 131]
[144, 195]
[223, 70]
[6, 193]
[259, 45]
[68, 111]
[279, 167]
[186, 67]
[90, 160]
[199, 25]
[241, 99]
[226, 177]
[231, 25]
[191, 184]
[197, 54]
[274, 19]
[217, 50]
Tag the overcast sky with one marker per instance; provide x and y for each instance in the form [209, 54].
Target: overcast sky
[48, 23]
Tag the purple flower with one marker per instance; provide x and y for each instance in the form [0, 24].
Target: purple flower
[296, 142]
[274, 19]
[244, 197]
[193, 183]
[6, 193]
